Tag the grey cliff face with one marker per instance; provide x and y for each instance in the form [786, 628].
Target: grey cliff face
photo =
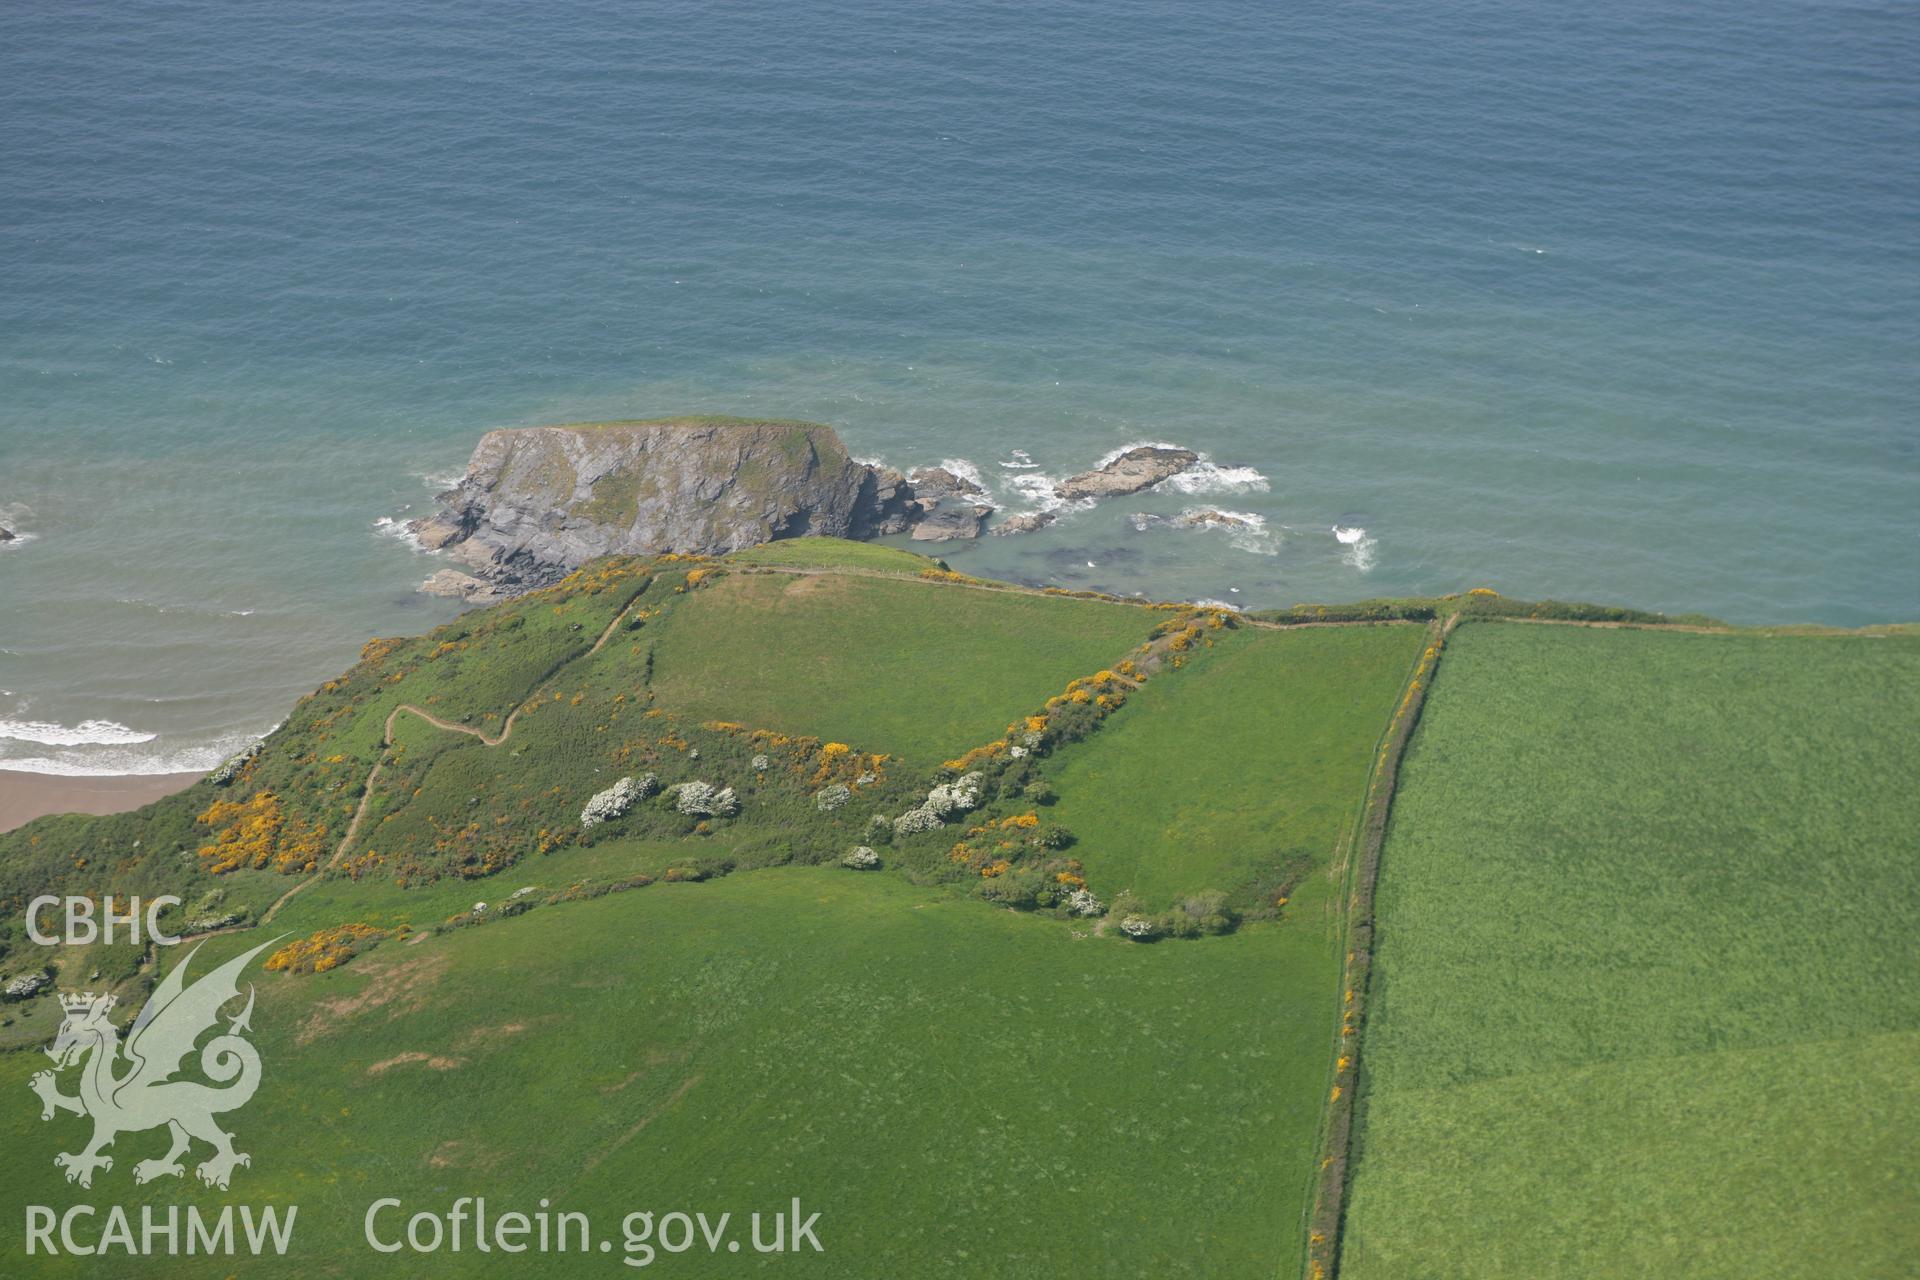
[537, 502]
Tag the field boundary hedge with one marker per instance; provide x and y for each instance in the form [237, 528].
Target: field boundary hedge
[1329, 1201]
[1480, 603]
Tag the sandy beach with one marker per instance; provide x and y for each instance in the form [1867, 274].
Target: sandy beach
[26, 796]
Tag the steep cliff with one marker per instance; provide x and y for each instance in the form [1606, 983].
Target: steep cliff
[538, 501]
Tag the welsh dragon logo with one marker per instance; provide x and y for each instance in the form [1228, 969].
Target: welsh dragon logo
[128, 1087]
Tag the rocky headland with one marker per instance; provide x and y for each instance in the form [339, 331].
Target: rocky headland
[537, 502]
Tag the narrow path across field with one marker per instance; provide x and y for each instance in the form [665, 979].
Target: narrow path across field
[386, 743]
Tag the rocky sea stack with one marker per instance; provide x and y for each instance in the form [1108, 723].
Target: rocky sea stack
[537, 502]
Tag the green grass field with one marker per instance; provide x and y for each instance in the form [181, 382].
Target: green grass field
[959, 1091]
[915, 669]
[1644, 1001]
[1253, 757]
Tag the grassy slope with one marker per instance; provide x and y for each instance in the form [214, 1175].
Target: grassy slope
[833, 553]
[960, 1091]
[1644, 998]
[1255, 754]
[915, 669]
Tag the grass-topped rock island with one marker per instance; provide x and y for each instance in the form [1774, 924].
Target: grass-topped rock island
[1028, 932]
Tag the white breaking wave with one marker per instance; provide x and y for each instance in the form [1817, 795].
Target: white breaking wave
[441, 482]
[1043, 493]
[965, 470]
[1359, 550]
[396, 528]
[103, 757]
[1249, 533]
[1205, 476]
[1207, 603]
[87, 732]
[1021, 461]
[11, 515]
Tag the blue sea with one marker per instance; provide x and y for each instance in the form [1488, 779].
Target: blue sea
[1616, 302]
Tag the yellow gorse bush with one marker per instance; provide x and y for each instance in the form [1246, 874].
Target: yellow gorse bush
[254, 834]
[327, 949]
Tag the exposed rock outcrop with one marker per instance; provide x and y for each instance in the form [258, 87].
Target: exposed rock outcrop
[938, 482]
[1208, 518]
[1130, 472]
[6, 534]
[536, 502]
[1025, 522]
[461, 586]
[948, 506]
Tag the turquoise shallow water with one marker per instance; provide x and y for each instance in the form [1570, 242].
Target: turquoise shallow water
[1617, 304]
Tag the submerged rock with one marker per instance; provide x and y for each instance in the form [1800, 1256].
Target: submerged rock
[1210, 519]
[1202, 518]
[1132, 471]
[1025, 522]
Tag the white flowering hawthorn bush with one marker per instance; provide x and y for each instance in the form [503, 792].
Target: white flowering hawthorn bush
[703, 800]
[614, 802]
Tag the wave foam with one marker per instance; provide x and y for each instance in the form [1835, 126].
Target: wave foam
[1043, 492]
[1248, 533]
[396, 528]
[1359, 551]
[1206, 476]
[965, 470]
[86, 733]
[11, 515]
[95, 760]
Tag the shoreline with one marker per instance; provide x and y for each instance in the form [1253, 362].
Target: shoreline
[26, 796]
